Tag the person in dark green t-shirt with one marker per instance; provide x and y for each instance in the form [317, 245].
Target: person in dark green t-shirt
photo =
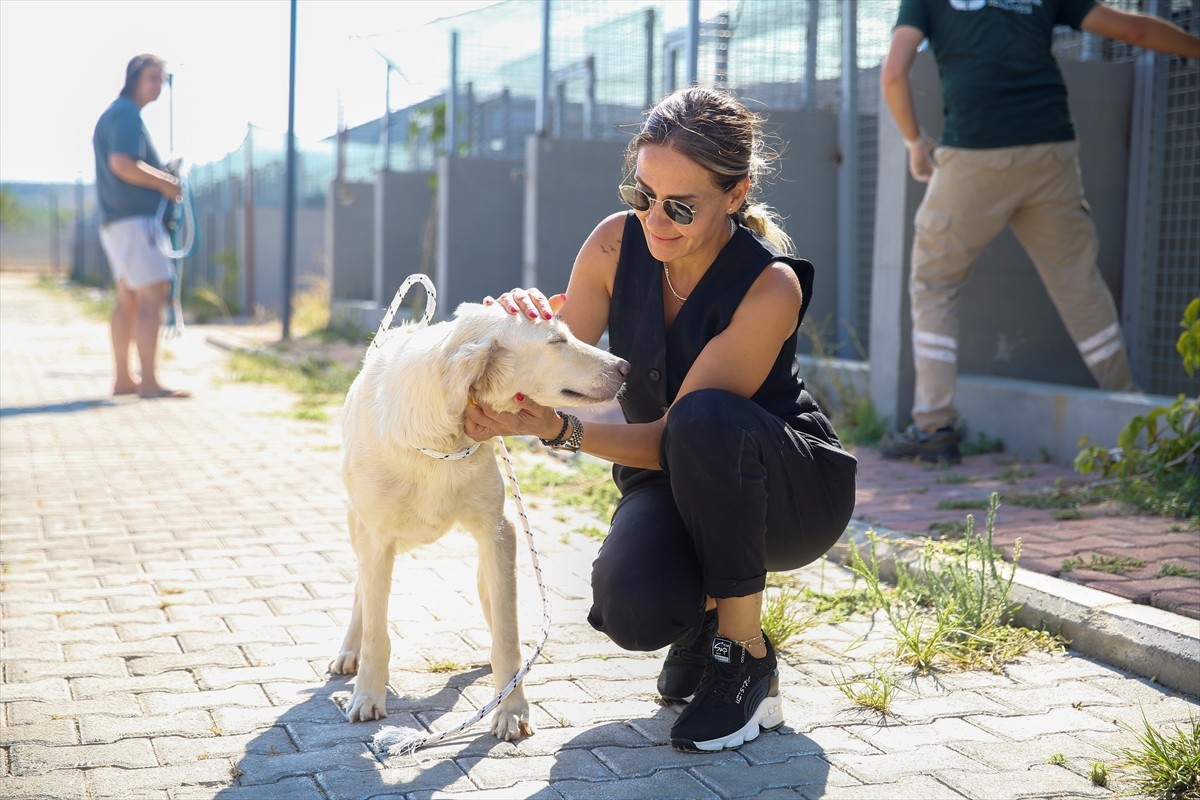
[1007, 156]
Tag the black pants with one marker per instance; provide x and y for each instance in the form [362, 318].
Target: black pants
[741, 493]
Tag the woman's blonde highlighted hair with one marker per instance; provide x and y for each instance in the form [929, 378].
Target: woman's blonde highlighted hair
[720, 134]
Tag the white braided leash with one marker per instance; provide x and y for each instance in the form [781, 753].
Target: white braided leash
[408, 741]
[430, 306]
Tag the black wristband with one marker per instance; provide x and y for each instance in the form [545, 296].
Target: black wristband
[557, 440]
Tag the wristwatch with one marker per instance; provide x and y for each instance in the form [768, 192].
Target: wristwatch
[575, 440]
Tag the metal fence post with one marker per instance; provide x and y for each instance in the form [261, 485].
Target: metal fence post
[692, 73]
[543, 98]
[847, 199]
[452, 98]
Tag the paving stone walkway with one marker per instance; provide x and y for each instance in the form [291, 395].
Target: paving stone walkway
[176, 576]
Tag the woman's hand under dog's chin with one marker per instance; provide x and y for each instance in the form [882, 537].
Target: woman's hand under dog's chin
[482, 422]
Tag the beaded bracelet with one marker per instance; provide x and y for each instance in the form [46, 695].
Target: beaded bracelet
[558, 440]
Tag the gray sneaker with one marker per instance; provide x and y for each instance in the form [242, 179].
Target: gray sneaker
[941, 446]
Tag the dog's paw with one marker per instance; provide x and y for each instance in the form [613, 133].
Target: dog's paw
[365, 706]
[508, 725]
[345, 663]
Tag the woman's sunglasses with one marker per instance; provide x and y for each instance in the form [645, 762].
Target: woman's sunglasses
[680, 213]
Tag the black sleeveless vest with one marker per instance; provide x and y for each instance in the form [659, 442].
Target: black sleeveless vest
[659, 358]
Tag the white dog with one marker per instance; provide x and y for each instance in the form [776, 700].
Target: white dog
[406, 407]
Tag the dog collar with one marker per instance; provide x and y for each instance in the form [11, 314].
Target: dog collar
[461, 454]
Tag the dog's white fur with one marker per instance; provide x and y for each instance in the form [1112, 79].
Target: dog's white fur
[411, 392]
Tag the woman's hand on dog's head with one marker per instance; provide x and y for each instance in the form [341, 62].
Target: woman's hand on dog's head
[482, 422]
[529, 303]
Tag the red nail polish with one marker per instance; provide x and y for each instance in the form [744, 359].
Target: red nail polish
[520, 397]
[533, 315]
[547, 315]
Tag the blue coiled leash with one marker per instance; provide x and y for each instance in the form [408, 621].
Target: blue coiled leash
[178, 238]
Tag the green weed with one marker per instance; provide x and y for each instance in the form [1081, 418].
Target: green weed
[1098, 774]
[1167, 765]
[1113, 565]
[1173, 570]
[955, 477]
[842, 604]
[781, 618]
[965, 504]
[953, 608]
[874, 690]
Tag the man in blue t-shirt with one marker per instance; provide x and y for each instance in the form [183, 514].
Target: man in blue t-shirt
[130, 185]
[1007, 156]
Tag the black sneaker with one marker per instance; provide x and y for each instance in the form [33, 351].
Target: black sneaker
[738, 696]
[684, 667]
[941, 446]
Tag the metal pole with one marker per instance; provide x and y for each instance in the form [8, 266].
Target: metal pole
[543, 100]
[811, 26]
[452, 98]
[847, 202]
[385, 131]
[54, 231]
[649, 57]
[289, 206]
[692, 75]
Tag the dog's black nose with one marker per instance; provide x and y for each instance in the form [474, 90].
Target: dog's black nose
[623, 368]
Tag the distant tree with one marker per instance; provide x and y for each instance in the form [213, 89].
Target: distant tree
[13, 213]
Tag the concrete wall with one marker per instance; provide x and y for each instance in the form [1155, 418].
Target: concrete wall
[1009, 326]
[569, 187]
[804, 192]
[311, 257]
[404, 242]
[349, 240]
[480, 229]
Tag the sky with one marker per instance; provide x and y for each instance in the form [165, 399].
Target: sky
[62, 62]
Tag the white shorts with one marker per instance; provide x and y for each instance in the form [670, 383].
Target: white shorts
[131, 245]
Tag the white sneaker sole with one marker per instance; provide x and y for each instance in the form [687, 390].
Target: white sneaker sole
[768, 716]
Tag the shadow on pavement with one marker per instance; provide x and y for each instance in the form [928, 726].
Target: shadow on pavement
[56, 408]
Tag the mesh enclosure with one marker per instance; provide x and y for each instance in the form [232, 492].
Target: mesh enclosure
[608, 61]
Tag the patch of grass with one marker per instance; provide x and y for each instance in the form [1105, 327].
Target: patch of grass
[592, 532]
[1098, 774]
[1067, 513]
[965, 504]
[981, 444]
[781, 618]
[443, 665]
[1016, 473]
[842, 604]
[319, 383]
[582, 483]
[874, 690]
[1058, 759]
[857, 421]
[953, 610]
[955, 477]
[947, 527]
[95, 303]
[1113, 565]
[1165, 765]
[1173, 570]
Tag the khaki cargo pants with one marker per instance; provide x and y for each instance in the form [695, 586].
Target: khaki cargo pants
[1037, 190]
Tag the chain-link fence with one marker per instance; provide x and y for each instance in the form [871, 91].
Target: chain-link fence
[608, 61]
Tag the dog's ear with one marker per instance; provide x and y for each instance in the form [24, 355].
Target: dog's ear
[481, 366]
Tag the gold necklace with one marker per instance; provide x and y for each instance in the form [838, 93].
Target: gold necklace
[667, 272]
